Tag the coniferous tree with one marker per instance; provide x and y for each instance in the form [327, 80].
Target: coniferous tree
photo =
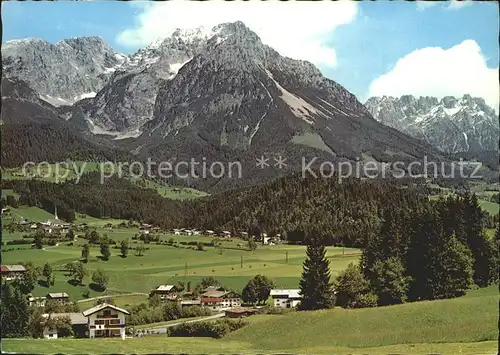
[124, 247]
[105, 252]
[315, 286]
[47, 273]
[85, 252]
[15, 311]
[476, 240]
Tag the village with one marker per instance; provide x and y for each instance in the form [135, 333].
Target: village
[108, 320]
[56, 226]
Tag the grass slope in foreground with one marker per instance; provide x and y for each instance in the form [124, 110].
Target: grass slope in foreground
[466, 325]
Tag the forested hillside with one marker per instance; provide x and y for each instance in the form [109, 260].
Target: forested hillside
[340, 214]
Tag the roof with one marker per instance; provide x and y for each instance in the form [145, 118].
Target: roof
[57, 295]
[76, 318]
[31, 298]
[214, 293]
[240, 310]
[6, 268]
[211, 299]
[190, 302]
[213, 288]
[165, 288]
[58, 221]
[102, 306]
[291, 293]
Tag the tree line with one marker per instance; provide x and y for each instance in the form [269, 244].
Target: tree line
[438, 251]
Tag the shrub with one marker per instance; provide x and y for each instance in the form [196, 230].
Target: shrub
[195, 311]
[19, 241]
[278, 310]
[366, 300]
[216, 329]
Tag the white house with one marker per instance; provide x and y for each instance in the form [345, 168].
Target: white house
[106, 320]
[165, 292]
[286, 298]
[37, 301]
[220, 300]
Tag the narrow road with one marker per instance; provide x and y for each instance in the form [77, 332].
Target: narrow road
[53, 246]
[162, 329]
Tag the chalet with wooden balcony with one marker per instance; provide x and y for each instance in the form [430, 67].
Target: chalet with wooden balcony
[106, 320]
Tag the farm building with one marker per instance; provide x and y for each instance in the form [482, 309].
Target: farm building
[101, 321]
[220, 300]
[37, 301]
[78, 324]
[213, 288]
[165, 292]
[240, 312]
[61, 297]
[189, 303]
[12, 272]
[286, 298]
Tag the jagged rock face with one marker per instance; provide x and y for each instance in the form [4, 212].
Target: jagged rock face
[219, 93]
[451, 124]
[63, 72]
[241, 94]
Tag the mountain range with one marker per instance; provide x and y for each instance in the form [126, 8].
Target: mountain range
[451, 124]
[217, 93]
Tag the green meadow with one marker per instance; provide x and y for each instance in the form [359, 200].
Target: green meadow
[59, 173]
[233, 265]
[466, 325]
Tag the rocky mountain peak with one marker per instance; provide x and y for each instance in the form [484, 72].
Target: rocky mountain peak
[61, 73]
[452, 124]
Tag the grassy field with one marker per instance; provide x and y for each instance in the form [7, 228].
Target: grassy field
[466, 325]
[473, 318]
[491, 207]
[163, 264]
[119, 300]
[55, 173]
[159, 343]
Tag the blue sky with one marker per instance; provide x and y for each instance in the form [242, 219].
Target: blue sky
[367, 39]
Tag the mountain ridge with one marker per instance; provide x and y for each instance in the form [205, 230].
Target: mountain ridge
[451, 124]
[224, 95]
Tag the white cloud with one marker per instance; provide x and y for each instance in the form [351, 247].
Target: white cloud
[457, 5]
[423, 5]
[451, 5]
[295, 29]
[434, 71]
